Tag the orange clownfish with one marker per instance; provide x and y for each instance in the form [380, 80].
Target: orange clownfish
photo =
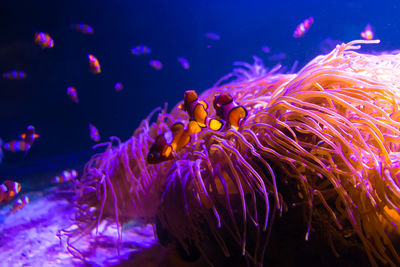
[94, 65]
[197, 111]
[368, 33]
[8, 190]
[166, 144]
[303, 27]
[44, 40]
[19, 204]
[29, 137]
[228, 110]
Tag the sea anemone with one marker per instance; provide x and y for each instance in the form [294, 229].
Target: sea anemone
[323, 141]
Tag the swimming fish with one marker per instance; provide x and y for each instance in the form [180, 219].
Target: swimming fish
[212, 36]
[167, 144]
[15, 146]
[8, 190]
[29, 137]
[73, 94]
[94, 65]
[140, 50]
[198, 111]
[303, 27]
[266, 49]
[367, 34]
[228, 110]
[44, 40]
[118, 87]
[65, 176]
[94, 133]
[184, 62]
[277, 57]
[156, 64]
[19, 204]
[14, 75]
[83, 28]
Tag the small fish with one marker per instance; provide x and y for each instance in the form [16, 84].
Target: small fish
[198, 111]
[44, 40]
[228, 110]
[16, 146]
[212, 36]
[94, 133]
[118, 87]
[8, 190]
[140, 50]
[73, 94]
[277, 57]
[65, 176]
[184, 62]
[303, 27]
[29, 137]
[167, 144]
[14, 75]
[94, 65]
[266, 49]
[156, 64]
[83, 28]
[19, 204]
[368, 33]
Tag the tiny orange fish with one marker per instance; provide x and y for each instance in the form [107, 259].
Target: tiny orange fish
[19, 204]
[83, 28]
[94, 65]
[14, 75]
[303, 27]
[367, 34]
[44, 40]
[73, 94]
[118, 87]
[156, 64]
[29, 137]
[16, 146]
[8, 190]
[228, 110]
[65, 176]
[184, 62]
[94, 133]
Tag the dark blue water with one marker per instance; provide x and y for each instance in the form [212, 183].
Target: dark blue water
[171, 29]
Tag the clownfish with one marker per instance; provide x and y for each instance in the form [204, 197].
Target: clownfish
[156, 64]
[228, 110]
[73, 94]
[16, 146]
[29, 137]
[166, 144]
[83, 28]
[197, 111]
[140, 50]
[184, 62]
[94, 65]
[367, 34]
[8, 190]
[14, 75]
[94, 133]
[44, 40]
[118, 87]
[303, 27]
[19, 204]
[64, 177]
